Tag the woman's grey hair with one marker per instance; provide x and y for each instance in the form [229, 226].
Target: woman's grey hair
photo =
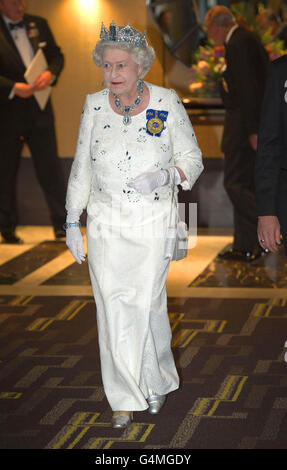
[220, 15]
[143, 56]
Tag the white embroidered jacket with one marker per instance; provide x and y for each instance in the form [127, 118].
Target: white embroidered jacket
[109, 153]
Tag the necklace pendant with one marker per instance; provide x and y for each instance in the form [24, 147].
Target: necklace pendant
[128, 109]
[127, 120]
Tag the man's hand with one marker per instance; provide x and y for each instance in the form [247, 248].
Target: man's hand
[253, 139]
[43, 81]
[23, 90]
[268, 231]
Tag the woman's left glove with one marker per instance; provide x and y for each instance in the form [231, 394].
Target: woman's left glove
[146, 183]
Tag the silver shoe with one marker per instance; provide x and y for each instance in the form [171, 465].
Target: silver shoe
[122, 421]
[155, 402]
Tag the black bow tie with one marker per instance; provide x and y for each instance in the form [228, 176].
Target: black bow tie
[20, 24]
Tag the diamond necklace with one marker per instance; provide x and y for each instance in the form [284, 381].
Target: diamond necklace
[128, 109]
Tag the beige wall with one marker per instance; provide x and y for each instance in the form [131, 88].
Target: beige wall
[76, 28]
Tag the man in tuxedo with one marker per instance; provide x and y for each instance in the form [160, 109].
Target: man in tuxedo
[271, 160]
[21, 118]
[242, 89]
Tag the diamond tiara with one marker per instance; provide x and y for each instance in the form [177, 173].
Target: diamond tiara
[123, 34]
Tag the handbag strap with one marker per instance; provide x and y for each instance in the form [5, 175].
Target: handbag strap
[173, 203]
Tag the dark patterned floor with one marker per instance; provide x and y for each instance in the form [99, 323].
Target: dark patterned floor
[269, 271]
[230, 354]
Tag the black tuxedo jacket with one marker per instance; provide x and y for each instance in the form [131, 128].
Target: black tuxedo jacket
[272, 142]
[242, 86]
[12, 68]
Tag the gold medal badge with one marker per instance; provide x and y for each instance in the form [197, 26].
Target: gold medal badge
[155, 125]
[155, 121]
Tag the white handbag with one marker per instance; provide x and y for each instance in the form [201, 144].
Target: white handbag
[177, 234]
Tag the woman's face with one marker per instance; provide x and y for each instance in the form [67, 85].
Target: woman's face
[121, 73]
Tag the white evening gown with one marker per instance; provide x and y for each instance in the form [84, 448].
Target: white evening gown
[126, 236]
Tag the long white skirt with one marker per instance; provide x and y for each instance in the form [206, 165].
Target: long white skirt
[128, 275]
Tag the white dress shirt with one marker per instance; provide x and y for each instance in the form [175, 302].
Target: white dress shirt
[230, 32]
[22, 42]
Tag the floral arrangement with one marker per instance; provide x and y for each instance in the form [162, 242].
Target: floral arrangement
[245, 17]
[209, 61]
[207, 71]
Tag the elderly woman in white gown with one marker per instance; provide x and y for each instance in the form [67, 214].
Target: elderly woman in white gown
[135, 142]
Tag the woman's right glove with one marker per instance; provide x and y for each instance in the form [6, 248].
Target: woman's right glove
[74, 239]
[74, 242]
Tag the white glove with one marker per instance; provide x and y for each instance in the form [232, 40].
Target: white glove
[146, 183]
[74, 239]
[74, 242]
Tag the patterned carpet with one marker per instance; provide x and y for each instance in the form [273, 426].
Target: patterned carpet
[268, 271]
[229, 352]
